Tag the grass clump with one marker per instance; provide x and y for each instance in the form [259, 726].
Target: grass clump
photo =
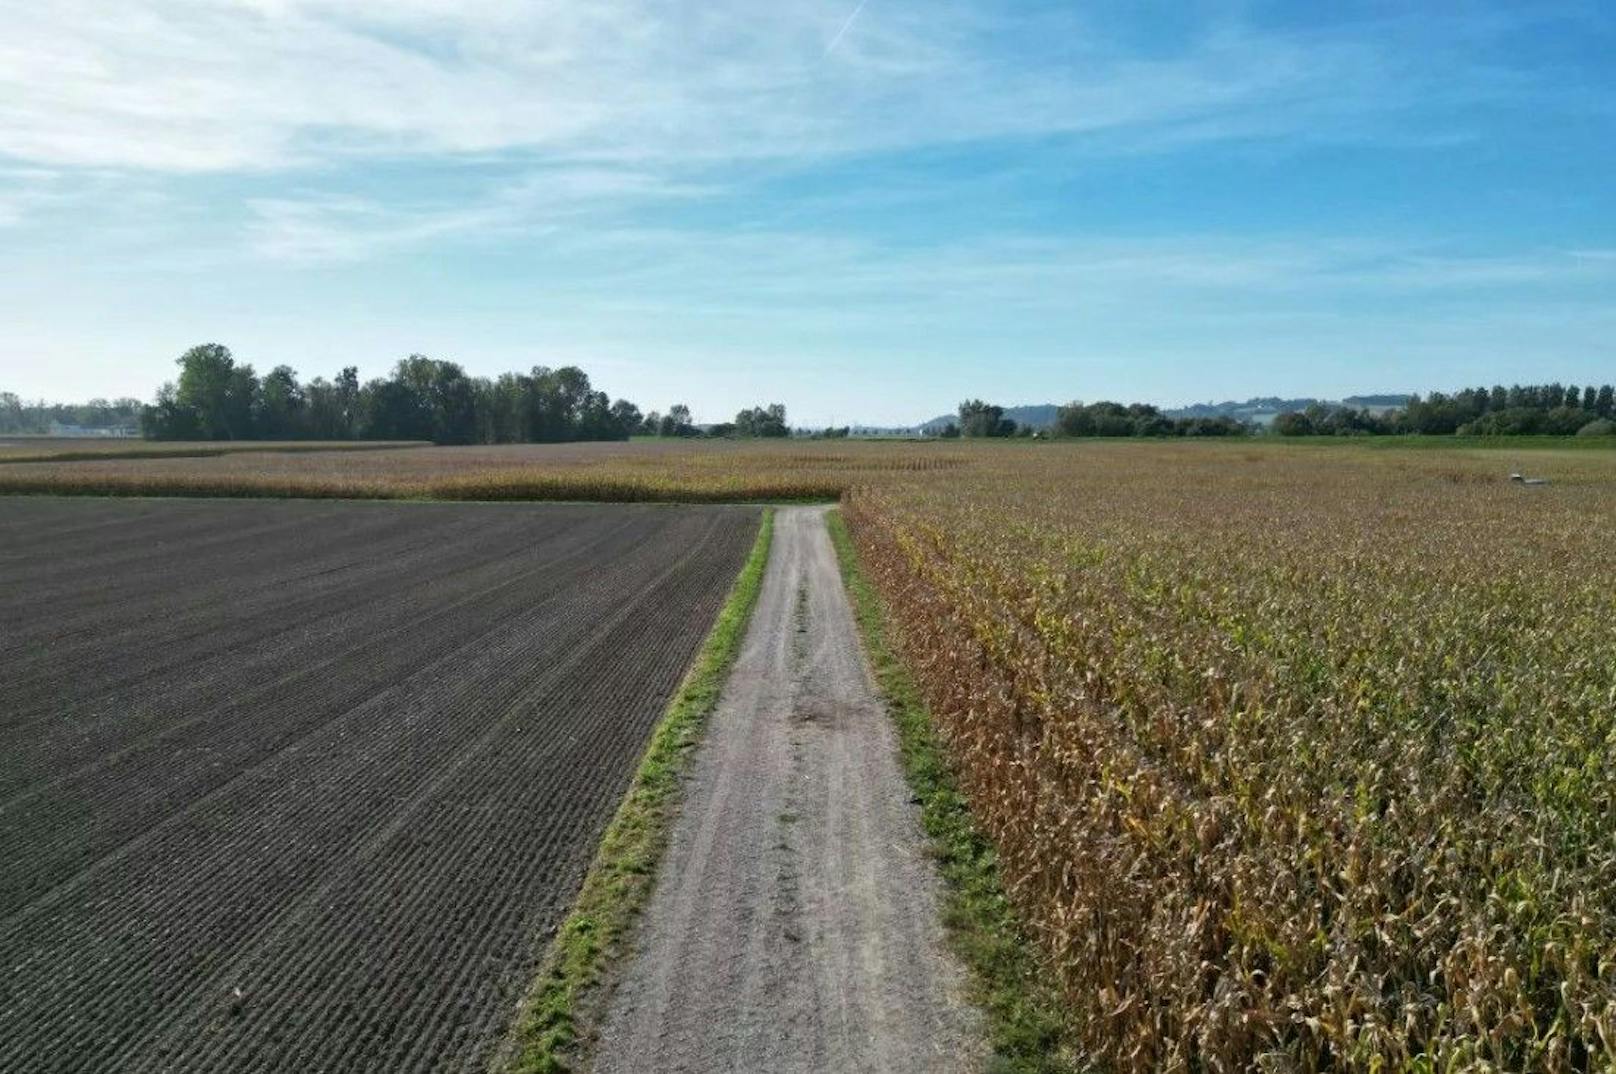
[1026, 1019]
[547, 1035]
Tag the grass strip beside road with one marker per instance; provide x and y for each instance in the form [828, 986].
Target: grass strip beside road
[1027, 1023]
[549, 1028]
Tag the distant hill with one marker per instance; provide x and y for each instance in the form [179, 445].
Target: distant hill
[1260, 410]
[1274, 404]
[1268, 404]
[1039, 416]
[1373, 401]
[1264, 409]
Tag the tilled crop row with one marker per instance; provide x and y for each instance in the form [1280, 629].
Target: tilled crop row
[300, 682]
[342, 850]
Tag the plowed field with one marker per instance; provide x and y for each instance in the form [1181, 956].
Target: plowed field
[302, 786]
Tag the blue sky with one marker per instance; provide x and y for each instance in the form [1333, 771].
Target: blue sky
[865, 211]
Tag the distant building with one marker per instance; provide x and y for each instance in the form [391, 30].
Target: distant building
[62, 428]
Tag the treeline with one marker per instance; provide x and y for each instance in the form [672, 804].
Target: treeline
[1519, 410]
[218, 398]
[1138, 419]
[769, 421]
[19, 418]
[979, 419]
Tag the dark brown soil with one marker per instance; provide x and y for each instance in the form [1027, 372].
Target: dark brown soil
[303, 786]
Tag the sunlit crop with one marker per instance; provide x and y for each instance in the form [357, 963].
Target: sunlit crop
[1293, 759]
[644, 470]
[27, 449]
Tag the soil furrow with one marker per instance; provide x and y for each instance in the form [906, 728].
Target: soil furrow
[373, 864]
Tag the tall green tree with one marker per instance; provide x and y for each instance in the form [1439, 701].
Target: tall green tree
[169, 419]
[769, 421]
[221, 393]
[282, 405]
[676, 422]
[979, 419]
[627, 417]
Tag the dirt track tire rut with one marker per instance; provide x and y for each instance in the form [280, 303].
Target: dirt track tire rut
[794, 927]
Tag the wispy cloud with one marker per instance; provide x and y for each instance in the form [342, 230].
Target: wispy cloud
[323, 228]
[766, 272]
[635, 99]
[22, 190]
[313, 226]
[201, 85]
[847, 24]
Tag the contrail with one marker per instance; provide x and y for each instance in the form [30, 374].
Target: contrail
[837, 40]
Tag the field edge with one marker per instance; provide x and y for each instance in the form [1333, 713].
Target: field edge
[536, 489]
[1028, 1027]
[548, 1030]
[203, 449]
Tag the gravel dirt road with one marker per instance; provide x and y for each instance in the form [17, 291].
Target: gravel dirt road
[794, 926]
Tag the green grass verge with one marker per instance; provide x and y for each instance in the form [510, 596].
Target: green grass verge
[1447, 443]
[1028, 1025]
[548, 1029]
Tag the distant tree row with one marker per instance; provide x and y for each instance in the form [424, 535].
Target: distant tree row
[676, 422]
[1138, 419]
[1541, 409]
[218, 398]
[40, 418]
[979, 419]
[769, 421]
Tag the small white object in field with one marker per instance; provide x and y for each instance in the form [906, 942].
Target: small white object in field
[1520, 479]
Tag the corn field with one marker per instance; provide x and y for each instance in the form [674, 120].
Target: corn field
[1294, 759]
[662, 470]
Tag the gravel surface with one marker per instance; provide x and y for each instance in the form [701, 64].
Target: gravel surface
[795, 926]
[293, 786]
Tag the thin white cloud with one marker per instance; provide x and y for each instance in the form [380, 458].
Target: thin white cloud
[30, 192]
[342, 229]
[767, 273]
[211, 85]
[23, 190]
[315, 226]
[847, 24]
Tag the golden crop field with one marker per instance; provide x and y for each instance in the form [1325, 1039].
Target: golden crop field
[638, 470]
[1294, 758]
[21, 449]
